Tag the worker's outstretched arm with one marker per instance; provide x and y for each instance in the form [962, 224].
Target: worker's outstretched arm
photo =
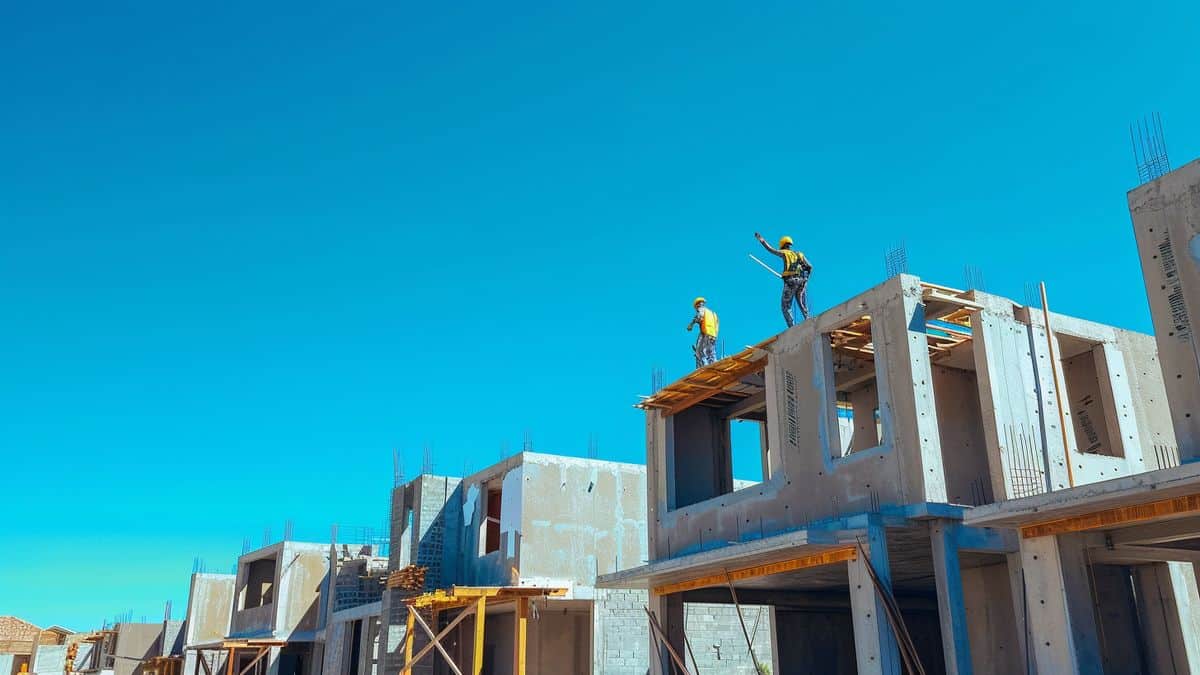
[767, 246]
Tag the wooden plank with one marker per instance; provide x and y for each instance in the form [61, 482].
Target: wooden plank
[829, 557]
[409, 625]
[1115, 517]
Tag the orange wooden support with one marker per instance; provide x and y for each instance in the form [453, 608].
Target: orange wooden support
[520, 634]
[480, 617]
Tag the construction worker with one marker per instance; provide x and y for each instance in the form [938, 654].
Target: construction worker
[796, 270]
[706, 343]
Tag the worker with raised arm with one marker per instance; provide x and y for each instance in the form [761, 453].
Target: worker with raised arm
[706, 343]
[796, 270]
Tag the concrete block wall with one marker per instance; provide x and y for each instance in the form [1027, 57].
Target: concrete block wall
[621, 638]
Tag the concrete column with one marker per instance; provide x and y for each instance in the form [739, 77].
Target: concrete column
[952, 610]
[874, 642]
[1062, 624]
[669, 610]
[1187, 602]
[1016, 585]
[906, 383]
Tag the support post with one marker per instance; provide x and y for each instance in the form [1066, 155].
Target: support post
[952, 612]
[477, 654]
[229, 661]
[520, 625]
[1062, 625]
[669, 611]
[409, 625]
[875, 645]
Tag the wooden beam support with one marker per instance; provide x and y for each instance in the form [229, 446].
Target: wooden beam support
[409, 625]
[435, 641]
[1116, 517]
[480, 621]
[520, 635]
[229, 665]
[829, 557]
[262, 651]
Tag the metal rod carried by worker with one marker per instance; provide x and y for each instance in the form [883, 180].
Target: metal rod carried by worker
[796, 270]
[706, 343]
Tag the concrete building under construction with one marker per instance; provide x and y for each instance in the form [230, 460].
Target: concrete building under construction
[915, 441]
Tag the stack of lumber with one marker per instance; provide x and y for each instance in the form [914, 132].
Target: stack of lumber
[410, 578]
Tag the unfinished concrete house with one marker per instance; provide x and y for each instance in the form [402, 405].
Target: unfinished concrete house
[209, 609]
[521, 543]
[882, 423]
[352, 630]
[1110, 565]
[277, 614]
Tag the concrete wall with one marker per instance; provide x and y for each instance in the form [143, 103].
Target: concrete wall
[300, 579]
[972, 427]
[810, 480]
[562, 519]
[136, 642]
[1166, 224]
[339, 641]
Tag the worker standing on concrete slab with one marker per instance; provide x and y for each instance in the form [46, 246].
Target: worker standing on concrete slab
[706, 343]
[796, 270]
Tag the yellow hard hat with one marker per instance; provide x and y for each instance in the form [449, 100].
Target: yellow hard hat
[697, 301]
[784, 241]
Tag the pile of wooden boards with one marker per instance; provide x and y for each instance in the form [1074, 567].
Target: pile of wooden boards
[410, 578]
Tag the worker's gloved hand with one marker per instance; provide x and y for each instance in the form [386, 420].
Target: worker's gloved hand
[690, 327]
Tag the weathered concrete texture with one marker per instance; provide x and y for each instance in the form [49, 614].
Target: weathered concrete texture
[210, 606]
[352, 641]
[1166, 224]
[172, 639]
[290, 593]
[136, 642]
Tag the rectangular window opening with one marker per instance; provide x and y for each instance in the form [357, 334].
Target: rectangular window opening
[855, 394]
[1088, 398]
[491, 522]
[719, 445]
[260, 583]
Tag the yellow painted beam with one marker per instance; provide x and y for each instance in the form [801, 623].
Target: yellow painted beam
[409, 625]
[816, 560]
[480, 620]
[1115, 517]
[520, 632]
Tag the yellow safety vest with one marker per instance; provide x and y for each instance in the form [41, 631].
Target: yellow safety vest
[792, 262]
[709, 324]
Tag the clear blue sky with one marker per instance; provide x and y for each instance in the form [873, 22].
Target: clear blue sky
[249, 250]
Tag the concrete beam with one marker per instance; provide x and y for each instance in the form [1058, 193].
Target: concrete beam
[1136, 555]
[749, 404]
[1158, 533]
[984, 539]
